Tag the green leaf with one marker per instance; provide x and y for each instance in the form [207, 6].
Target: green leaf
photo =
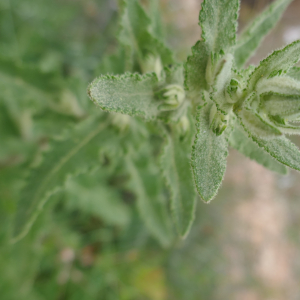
[78, 151]
[257, 125]
[91, 194]
[282, 149]
[282, 105]
[176, 168]
[195, 68]
[240, 141]
[294, 73]
[130, 94]
[151, 204]
[279, 84]
[136, 37]
[208, 156]
[218, 20]
[251, 37]
[280, 60]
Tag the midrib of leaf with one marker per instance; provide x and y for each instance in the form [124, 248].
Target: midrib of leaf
[61, 163]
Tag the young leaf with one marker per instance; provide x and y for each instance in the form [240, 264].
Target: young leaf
[208, 156]
[251, 37]
[257, 125]
[195, 68]
[282, 105]
[240, 141]
[146, 183]
[280, 60]
[218, 20]
[130, 94]
[78, 151]
[176, 168]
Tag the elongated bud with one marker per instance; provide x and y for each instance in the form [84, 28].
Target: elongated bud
[218, 121]
[171, 95]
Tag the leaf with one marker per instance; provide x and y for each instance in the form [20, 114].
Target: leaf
[218, 20]
[146, 183]
[279, 84]
[195, 68]
[282, 149]
[208, 156]
[294, 73]
[91, 194]
[257, 125]
[251, 37]
[280, 60]
[240, 141]
[130, 94]
[136, 37]
[78, 151]
[278, 104]
[176, 168]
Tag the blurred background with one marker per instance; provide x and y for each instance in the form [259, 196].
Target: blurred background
[245, 245]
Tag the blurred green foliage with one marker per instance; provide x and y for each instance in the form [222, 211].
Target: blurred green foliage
[90, 242]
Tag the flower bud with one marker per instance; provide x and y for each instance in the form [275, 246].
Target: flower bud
[171, 95]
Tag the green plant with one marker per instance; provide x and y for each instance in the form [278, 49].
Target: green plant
[186, 116]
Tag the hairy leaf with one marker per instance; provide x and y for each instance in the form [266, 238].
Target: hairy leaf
[218, 20]
[195, 68]
[294, 73]
[279, 84]
[72, 155]
[130, 94]
[176, 168]
[208, 156]
[240, 141]
[257, 125]
[280, 60]
[282, 149]
[251, 37]
[282, 105]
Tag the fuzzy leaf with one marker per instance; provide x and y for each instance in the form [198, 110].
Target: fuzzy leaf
[280, 60]
[195, 68]
[282, 105]
[78, 151]
[251, 37]
[294, 73]
[146, 183]
[240, 141]
[282, 149]
[208, 156]
[218, 20]
[279, 84]
[176, 168]
[256, 125]
[130, 94]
